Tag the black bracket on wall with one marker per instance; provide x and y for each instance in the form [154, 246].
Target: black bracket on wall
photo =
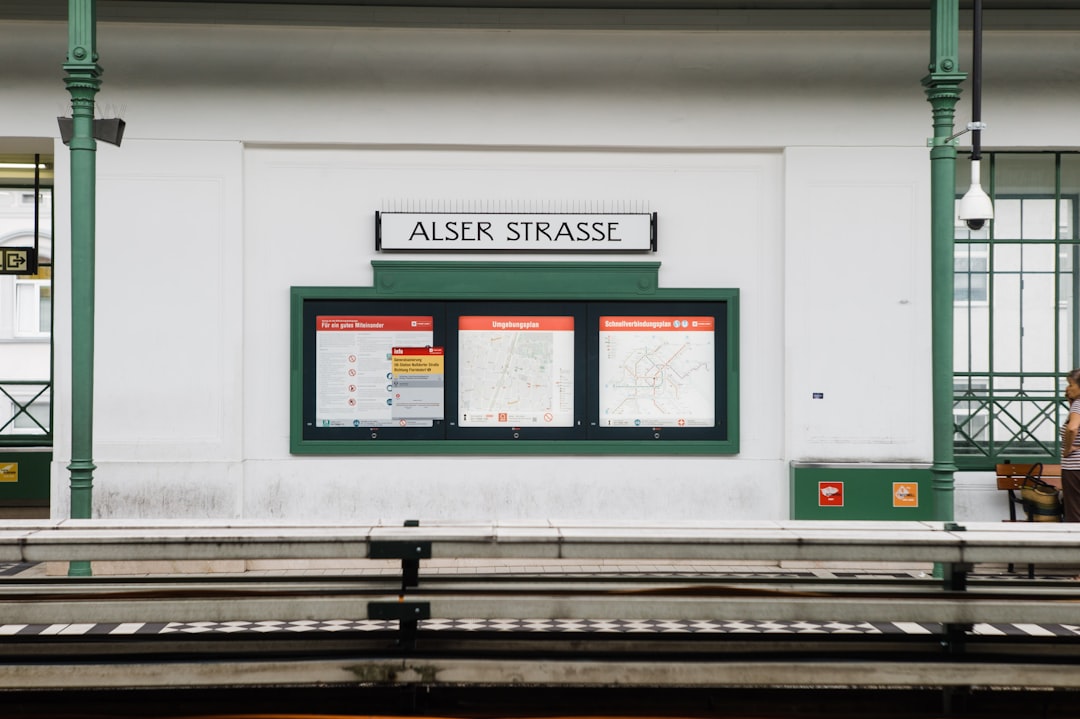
[408, 615]
[410, 554]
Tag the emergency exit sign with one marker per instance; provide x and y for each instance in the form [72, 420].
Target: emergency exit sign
[18, 261]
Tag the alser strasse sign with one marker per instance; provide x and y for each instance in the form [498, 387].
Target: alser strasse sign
[515, 231]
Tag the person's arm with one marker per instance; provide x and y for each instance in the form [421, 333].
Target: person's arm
[1072, 426]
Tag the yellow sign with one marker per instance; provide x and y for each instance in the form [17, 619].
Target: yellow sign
[905, 494]
[18, 261]
[416, 364]
[9, 472]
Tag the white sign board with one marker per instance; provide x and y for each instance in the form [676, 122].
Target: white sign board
[521, 232]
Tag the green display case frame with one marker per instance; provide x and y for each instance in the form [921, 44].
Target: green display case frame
[549, 281]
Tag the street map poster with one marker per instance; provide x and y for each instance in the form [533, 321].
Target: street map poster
[515, 371]
[354, 384]
[657, 371]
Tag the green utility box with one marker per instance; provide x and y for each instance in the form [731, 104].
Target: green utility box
[24, 476]
[861, 491]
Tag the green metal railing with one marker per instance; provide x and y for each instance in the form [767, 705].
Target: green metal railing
[39, 434]
[1007, 422]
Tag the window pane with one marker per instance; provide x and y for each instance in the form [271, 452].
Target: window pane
[1070, 190]
[1030, 175]
[1006, 323]
[26, 308]
[1066, 314]
[971, 331]
[1006, 221]
[38, 411]
[1066, 220]
[1037, 220]
[1038, 315]
[45, 208]
[45, 309]
[969, 276]
[1007, 258]
[33, 307]
[1040, 257]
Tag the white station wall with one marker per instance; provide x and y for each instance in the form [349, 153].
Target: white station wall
[720, 227]
[169, 335]
[858, 305]
[256, 157]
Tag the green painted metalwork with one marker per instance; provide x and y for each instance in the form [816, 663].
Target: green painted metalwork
[83, 82]
[552, 281]
[942, 88]
[1011, 408]
[868, 493]
[32, 467]
[518, 280]
[42, 389]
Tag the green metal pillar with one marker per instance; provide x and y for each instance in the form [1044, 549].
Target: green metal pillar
[83, 81]
[942, 87]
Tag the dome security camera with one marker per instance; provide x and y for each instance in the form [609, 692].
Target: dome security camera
[975, 206]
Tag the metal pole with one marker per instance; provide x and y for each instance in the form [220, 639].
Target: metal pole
[942, 88]
[976, 81]
[37, 206]
[83, 82]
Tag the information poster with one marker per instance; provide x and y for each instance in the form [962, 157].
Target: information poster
[418, 383]
[657, 371]
[515, 371]
[354, 368]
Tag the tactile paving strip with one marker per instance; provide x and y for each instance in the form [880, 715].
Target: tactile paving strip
[549, 626]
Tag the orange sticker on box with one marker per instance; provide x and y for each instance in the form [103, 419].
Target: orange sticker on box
[905, 494]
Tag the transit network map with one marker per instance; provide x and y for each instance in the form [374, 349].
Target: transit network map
[657, 371]
[516, 371]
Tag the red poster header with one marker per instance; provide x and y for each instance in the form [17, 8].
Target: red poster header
[370, 323]
[657, 324]
[413, 351]
[516, 324]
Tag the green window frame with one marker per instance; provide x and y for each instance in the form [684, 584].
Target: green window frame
[494, 282]
[1017, 310]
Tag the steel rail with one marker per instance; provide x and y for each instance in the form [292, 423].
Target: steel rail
[88, 540]
[35, 605]
[950, 601]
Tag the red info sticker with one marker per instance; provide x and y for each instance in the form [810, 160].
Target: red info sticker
[830, 494]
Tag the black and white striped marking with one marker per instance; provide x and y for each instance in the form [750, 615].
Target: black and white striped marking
[547, 626]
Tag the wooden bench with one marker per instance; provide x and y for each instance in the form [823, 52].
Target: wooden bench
[1011, 477]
